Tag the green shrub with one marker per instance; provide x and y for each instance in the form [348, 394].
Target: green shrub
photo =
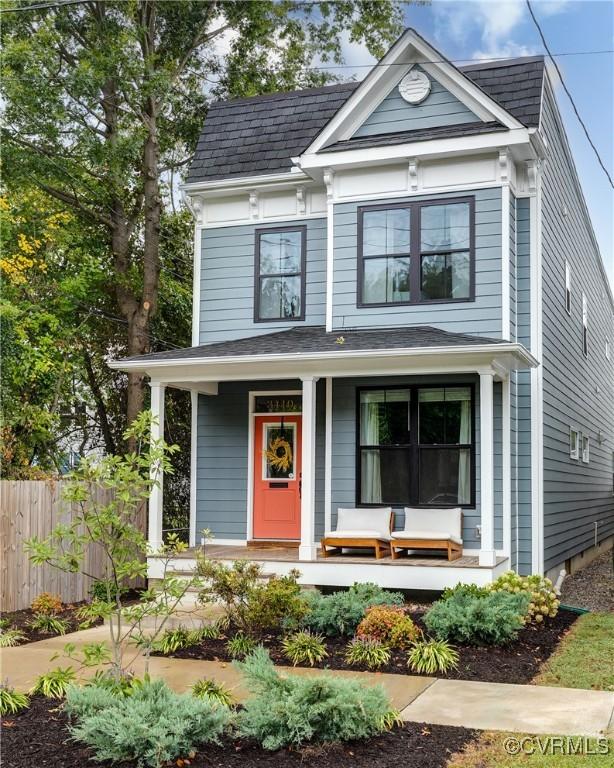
[11, 701]
[304, 648]
[295, 710]
[427, 657]
[216, 692]
[206, 632]
[106, 590]
[494, 619]
[368, 651]
[46, 603]
[151, 727]
[469, 590]
[124, 686]
[230, 585]
[11, 637]
[543, 602]
[389, 624]
[173, 640]
[240, 645]
[276, 604]
[342, 612]
[54, 684]
[48, 624]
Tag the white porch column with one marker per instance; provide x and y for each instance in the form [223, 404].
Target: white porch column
[487, 471]
[328, 457]
[307, 549]
[193, 464]
[154, 534]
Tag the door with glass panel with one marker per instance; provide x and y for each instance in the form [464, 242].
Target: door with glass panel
[277, 477]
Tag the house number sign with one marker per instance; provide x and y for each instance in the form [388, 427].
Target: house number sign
[278, 404]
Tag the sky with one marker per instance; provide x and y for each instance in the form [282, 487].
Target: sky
[480, 29]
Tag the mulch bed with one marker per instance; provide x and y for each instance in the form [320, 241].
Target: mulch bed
[518, 662]
[592, 587]
[21, 619]
[38, 738]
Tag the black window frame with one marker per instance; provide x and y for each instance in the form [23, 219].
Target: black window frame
[415, 254]
[302, 229]
[414, 446]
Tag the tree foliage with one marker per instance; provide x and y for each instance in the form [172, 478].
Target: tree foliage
[103, 102]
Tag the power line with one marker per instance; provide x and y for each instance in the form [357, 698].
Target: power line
[569, 96]
[42, 6]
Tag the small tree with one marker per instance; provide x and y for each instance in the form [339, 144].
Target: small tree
[109, 524]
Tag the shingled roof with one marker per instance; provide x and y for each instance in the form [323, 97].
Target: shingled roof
[308, 340]
[260, 135]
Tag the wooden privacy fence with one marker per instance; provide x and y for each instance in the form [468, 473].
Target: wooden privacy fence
[33, 508]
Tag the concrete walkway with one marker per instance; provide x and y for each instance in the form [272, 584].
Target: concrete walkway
[487, 706]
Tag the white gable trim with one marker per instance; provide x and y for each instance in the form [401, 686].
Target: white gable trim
[383, 77]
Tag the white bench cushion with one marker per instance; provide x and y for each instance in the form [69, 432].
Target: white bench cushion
[427, 536]
[360, 522]
[433, 523]
[358, 534]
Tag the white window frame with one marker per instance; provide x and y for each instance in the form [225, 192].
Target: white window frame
[584, 325]
[574, 449]
[567, 296]
[607, 349]
[586, 445]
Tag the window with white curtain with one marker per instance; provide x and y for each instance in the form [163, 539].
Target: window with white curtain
[568, 287]
[415, 446]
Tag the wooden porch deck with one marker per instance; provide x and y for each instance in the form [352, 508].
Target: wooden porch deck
[284, 554]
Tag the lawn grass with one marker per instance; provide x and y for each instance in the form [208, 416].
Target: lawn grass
[585, 658]
[489, 752]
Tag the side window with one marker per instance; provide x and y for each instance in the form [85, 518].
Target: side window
[584, 325]
[574, 444]
[280, 274]
[567, 287]
[585, 449]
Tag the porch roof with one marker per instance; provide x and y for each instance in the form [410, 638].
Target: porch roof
[312, 351]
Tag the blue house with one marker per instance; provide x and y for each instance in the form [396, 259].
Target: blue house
[399, 302]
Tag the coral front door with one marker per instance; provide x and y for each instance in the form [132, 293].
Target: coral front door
[277, 477]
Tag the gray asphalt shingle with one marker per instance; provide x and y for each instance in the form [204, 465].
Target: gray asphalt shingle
[260, 135]
[313, 339]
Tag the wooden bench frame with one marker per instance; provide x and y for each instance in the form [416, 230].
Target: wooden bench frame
[454, 549]
[381, 546]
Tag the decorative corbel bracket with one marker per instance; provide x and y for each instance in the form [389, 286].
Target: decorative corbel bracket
[329, 177]
[504, 165]
[254, 208]
[412, 174]
[301, 203]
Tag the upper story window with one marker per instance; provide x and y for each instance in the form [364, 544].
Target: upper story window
[280, 274]
[414, 253]
[568, 287]
[584, 325]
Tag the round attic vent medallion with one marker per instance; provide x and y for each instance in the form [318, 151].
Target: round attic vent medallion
[415, 87]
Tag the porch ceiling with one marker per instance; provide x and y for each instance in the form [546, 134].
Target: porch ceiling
[311, 351]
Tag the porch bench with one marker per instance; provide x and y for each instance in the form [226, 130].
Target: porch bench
[430, 529]
[360, 528]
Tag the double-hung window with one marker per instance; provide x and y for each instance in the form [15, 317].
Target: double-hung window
[280, 274]
[414, 253]
[568, 287]
[415, 446]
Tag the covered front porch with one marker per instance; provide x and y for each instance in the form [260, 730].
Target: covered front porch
[314, 380]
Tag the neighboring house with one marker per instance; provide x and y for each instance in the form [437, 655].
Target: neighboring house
[400, 278]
